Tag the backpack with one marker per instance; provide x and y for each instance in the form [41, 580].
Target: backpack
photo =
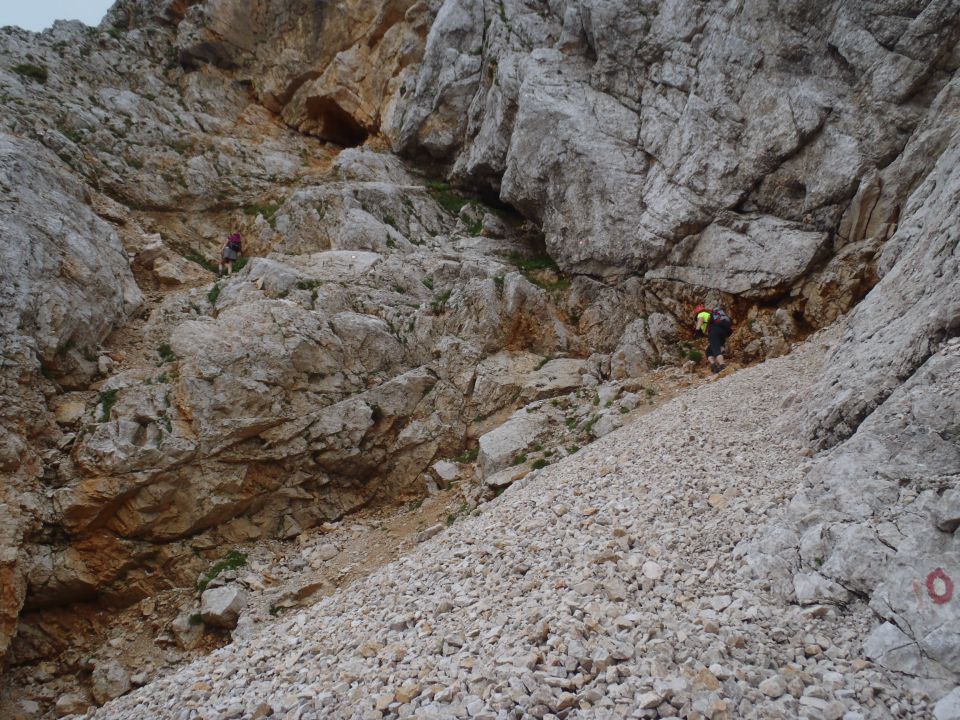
[719, 317]
[234, 243]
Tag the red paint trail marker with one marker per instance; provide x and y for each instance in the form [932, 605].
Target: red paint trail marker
[939, 586]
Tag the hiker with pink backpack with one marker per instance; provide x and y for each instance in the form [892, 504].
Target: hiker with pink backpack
[717, 326]
[232, 250]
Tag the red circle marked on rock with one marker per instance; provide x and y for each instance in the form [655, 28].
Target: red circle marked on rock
[939, 586]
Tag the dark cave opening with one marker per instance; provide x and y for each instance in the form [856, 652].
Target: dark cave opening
[335, 124]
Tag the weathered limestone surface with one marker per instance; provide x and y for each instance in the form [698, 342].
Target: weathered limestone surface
[916, 304]
[870, 522]
[716, 143]
[65, 283]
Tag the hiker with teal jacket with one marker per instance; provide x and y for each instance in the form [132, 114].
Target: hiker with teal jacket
[717, 326]
[232, 250]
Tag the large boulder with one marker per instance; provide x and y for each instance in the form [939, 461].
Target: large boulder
[875, 517]
[221, 607]
[917, 301]
[109, 680]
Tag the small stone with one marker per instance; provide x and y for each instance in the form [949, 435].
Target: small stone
[773, 687]
[408, 691]
[109, 680]
[947, 513]
[652, 570]
[706, 679]
[445, 473]
[424, 535]
[649, 700]
[717, 502]
[72, 704]
[709, 625]
[327, 551]
[720, 602]
[139, 679]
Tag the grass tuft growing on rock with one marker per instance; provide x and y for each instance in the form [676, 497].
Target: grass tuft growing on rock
[541, 270]
[268, 211]
[107, 400]
[231, 561]
[439, 302]
[468, 456]
[196, 257]
[446, 197]
[36, 73]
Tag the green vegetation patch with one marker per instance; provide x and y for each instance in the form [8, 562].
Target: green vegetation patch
[588, 426]
[439, 302]
[468, 456]
[525, 264]
[107, 400]
[231, 561]
[36, 73]
[543, 362]
[446, 197]
[166, 353]
[538, 270]
[214, 294]
[452, 517]
[195, 257]
[268, 211]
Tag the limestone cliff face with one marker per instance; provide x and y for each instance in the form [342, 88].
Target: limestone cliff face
[784, 160]
[878, 513]
[734, 146]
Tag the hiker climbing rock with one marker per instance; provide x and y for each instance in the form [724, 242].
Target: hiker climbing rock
[232, 250]
[717, 326]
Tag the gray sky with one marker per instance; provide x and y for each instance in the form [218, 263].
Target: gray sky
[37, 15]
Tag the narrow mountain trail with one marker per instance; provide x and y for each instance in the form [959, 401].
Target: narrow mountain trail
[612, 584]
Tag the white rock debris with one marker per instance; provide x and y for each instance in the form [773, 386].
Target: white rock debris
[634, 602]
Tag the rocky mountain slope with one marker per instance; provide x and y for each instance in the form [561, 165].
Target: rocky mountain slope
[612, 584]
[474, 226]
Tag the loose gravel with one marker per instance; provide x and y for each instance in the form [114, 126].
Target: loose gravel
[610, 585]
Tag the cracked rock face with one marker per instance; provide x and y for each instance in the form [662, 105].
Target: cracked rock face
[869, 523]
[66, 281]
[874, 518]
[645, 136]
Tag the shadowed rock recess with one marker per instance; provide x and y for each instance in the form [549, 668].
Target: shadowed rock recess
[474, 233]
